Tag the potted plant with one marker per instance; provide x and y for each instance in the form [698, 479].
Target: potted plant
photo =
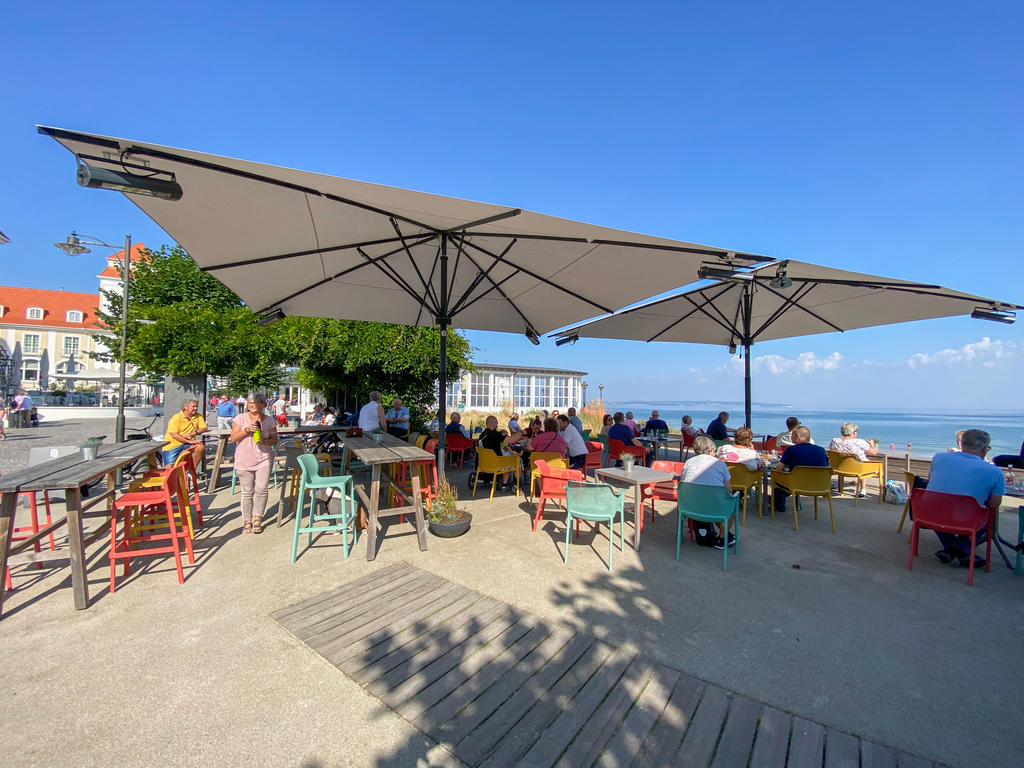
[627, 460]
[444, 519]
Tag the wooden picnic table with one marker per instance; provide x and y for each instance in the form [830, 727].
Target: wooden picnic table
[69, 474]
[638, 477]
[222, 436]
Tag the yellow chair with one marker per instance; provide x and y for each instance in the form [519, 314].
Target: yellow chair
[490, 462]
[421, 441]
[143, 521]
[743, 479]
[806, 481]
[554, 460]
[847, 465]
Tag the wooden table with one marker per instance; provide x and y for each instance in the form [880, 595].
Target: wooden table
[69, 474]
[222, 436]
[639, 477]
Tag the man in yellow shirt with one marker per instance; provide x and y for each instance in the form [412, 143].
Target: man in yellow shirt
[183, 432]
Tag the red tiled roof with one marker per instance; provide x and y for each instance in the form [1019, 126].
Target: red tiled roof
[55, 306]
[118, 258]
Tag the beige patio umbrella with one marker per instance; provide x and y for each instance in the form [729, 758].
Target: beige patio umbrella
[298, 243]
[784, 300]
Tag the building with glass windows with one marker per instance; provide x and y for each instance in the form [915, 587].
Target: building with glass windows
[516, 388]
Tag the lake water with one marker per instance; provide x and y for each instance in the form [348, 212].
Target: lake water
[927, 431]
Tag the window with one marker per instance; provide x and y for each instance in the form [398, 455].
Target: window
[541, 393]
[521, 392]
[561, 392]
[72, 346]
[479, 390]
[34, 313]
[74, 316]
[454, 395]
[30, 343]
[502, 390]
[30, 370]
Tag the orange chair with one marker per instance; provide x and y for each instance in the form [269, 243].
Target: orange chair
[552, 486]
[136, 504]
[688, 444]
[950, 513]
[616, 448]
[456, 444]
[594, 452]
[771, 444]
[665, 491]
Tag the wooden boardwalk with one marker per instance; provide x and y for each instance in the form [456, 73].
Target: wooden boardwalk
[501, 687]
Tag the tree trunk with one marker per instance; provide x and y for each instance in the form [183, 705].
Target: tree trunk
[177, 389]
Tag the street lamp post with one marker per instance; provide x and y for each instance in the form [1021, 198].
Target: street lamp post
[75, 245]
[583, 386]
[601, 388]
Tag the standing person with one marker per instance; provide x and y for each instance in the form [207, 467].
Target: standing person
[280, 410]
[802, 453]
[398, 418]
[717, 430]
[183, 431]
[255, 435]
[966, 472]
[226, 412]
[22, 411]
[577, 447]
[575, 420]
[3, 415]
[239, 404]
[371, 415]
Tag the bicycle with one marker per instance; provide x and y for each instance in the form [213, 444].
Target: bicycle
[140, 466]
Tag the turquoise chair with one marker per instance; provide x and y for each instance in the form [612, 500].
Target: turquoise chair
[708, 504]
[586, 434]
[310, 483]
[603, 440]
[598, 503]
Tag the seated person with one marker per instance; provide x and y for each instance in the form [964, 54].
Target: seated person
[655, 424]
[628, 421]
[549, 441]
[687, 427]
[621, 431]
[330, 418]
[802, 453]
[1006, 460]
[785, 439]
[704, 469]
[397, 418]
[513, 424]
[850, 443]
[577, 446]
[454, 426]
[606, 424]
[967, 473]
[717, 430]
[495, 440]
[534, 428]
[741, 449]
[314, 417]
[575, 420]
[183, 431]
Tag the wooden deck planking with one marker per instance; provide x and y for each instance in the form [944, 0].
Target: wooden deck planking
[501, 687]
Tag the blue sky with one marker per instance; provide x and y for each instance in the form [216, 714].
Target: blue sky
[874, 136]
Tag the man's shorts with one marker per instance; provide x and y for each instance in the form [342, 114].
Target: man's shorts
[171, 455]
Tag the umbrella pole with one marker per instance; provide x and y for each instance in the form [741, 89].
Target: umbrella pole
[442, 380]
[746, 383]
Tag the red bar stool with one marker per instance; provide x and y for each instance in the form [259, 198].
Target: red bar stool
[30, 529]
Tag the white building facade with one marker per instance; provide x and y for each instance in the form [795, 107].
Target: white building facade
[495, 388]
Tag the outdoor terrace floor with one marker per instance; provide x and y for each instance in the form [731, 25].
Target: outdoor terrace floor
[202, 674]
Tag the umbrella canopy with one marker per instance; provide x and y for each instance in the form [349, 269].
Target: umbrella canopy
[300, 243]
[783, 300]
[95, 374]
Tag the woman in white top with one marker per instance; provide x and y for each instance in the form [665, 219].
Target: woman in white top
[741, 449]
[705, 469]
[371, 415]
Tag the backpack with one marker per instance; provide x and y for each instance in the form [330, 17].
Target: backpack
[705, 534]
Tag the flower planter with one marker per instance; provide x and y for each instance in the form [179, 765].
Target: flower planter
[450, 530]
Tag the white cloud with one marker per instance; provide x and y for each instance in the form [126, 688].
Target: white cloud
[985, 352]
[805, 362]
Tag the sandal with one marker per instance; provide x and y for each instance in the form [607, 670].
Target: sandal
[247, 526]
[257, 525]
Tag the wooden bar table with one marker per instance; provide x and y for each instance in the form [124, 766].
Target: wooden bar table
[222, 436]
[69, 474]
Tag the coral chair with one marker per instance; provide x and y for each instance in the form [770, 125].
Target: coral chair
[31, 529]
[806, 481]
[909, 477]
[595, 455]
[688, 444]
[554, 460]
[596, 503]
[666, 491]
[487, 461]
[771, 444]
[140, 512]
[342, 521]
[742, 479]
[708, 504]
[552, 486]
[456, 446]
[950, 513]
[847, 465]
[616, 448]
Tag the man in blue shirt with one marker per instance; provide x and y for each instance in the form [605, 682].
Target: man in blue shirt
[575, 420]
[455, 426]
[802, 453]
[226, 411]
[966, 473]
[397, 418]
[716, 429]
[655, 424]
[620, 431]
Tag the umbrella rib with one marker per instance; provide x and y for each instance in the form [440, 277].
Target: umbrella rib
[479, 278]
[796, 298]
[428, 289]
[455, 271]
[433, 268]
[389, 271]
[707, 300]
[752, 258]
[486, 220]
[529, 325]
[535, 276]
[483, 295]
[310, 252]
